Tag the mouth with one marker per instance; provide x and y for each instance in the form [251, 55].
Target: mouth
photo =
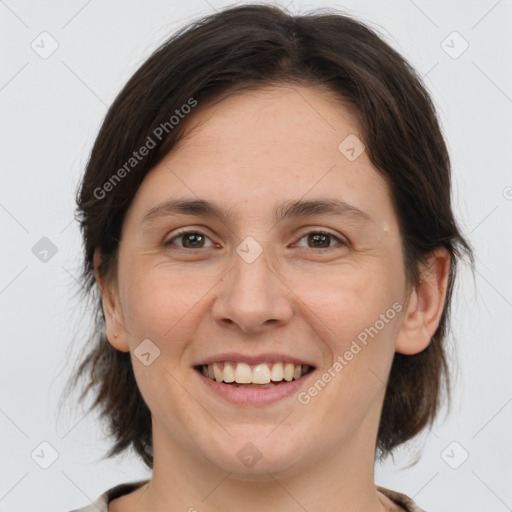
[244, 375]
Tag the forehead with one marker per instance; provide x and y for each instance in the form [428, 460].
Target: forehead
[256, 147]
[270, 114]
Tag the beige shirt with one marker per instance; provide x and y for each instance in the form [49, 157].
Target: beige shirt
[101, 504]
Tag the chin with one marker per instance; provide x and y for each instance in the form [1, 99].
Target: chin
[257, 457]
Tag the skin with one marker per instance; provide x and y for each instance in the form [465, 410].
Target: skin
[253, 150]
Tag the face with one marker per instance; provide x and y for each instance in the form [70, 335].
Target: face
[301, 277]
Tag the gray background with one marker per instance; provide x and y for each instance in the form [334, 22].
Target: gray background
[51, 110]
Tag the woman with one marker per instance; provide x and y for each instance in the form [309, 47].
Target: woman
[266, 215]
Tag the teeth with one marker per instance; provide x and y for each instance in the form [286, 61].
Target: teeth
[217, 373]
[277, 372]
[243, 374]
[229, 373]
[264, 373]
[261, 374]
[288, 371]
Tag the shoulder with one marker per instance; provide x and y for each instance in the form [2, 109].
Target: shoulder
[401, 499]
[101, 503]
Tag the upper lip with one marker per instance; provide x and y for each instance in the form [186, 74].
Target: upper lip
[269, 357]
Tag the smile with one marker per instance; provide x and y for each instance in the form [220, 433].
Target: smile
[246, 375]
[253, 381]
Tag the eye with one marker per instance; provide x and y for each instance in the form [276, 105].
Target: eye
[322, 239]
[190, 239]
[197, 240]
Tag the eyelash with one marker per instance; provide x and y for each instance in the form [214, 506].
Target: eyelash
[194, 232]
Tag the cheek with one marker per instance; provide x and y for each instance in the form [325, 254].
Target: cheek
[354, 313]
[348, 302]
[158, 302]
[356, 316]
[162, 305]
[170, 406]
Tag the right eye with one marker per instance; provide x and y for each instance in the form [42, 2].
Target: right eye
[189, 239]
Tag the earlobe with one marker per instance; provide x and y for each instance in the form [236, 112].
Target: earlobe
[425, 306]
[116, 333]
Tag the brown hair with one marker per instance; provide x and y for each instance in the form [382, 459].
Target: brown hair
[253, 46]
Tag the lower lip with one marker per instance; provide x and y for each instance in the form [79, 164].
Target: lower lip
[254, 396]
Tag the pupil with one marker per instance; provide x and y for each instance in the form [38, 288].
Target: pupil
[319, 237]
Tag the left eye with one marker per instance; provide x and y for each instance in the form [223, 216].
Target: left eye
[321, 239]
[196, 239]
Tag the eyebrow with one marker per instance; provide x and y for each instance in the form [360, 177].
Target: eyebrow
[288, 209]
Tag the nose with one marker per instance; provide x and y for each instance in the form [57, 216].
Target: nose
[253, 296]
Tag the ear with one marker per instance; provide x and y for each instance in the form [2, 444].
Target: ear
[425, 305]
[111, 308]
